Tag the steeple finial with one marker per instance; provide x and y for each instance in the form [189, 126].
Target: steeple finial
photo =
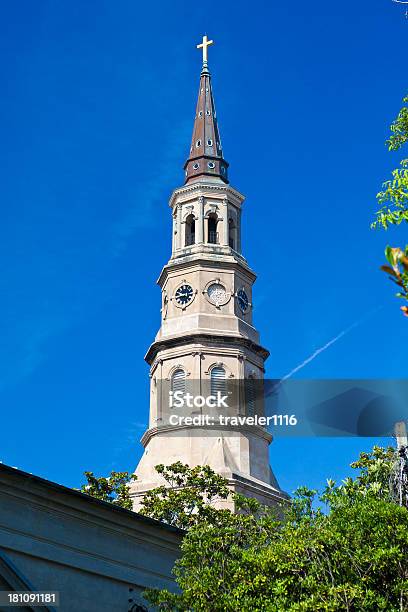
[206, 157]
[204, 46]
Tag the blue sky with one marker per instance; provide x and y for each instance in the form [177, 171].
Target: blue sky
[97, 111]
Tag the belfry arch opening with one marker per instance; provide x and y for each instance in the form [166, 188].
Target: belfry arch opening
[218, 380]
[212, 228]
[190, 230]
[178, 381]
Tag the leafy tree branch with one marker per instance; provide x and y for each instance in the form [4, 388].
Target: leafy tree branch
[394, 209]
[113, 489]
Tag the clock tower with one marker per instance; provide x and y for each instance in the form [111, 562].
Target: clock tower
[207, 339]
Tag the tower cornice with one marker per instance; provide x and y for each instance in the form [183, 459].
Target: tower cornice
[258, 431]
[198, 187]
[201, 260]
[194, 338]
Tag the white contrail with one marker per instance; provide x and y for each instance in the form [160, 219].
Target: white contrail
[326, 346]
[318, 351]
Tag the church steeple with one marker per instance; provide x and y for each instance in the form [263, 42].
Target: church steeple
[206, 157]
[207, 340]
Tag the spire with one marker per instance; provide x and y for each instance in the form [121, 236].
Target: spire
[205, 157]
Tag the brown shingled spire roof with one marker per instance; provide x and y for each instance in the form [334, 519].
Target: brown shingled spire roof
[206, 158]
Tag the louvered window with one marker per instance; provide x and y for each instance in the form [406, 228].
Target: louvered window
[178, 381]
[218, 381]
[250, 396]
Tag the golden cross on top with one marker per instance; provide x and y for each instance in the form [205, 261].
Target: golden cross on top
[206, 43]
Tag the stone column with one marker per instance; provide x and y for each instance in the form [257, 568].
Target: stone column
[178, 224]
[174, 236]
[238, 245]
[225, 228]
[200, 221]
[198, 375]
[160, 398]
[241, 384]
[156, 381]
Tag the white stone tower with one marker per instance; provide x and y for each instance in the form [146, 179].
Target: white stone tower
[207, 334]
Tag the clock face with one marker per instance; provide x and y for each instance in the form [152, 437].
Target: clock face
[217, 294]
[243, 301]
[184, 295]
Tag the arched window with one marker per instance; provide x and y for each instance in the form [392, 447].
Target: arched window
[178, 381]
[190, 230]
[250, 396]
[218, 381]
[212, 228]
[232, 233]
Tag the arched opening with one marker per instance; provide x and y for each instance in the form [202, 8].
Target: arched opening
[212, 228]
[232, 234]
[178, 381]
[218, 381]
[190, 230]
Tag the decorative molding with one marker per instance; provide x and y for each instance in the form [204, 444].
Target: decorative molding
[255, 430]
[155, 364]
[216, 364]
[179, 366]
[213, 209]
[202, 337]
[220, 364]
[202, 255]
[201, 185]
[188, 211]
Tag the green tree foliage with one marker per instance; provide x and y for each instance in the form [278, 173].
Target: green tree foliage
[395, 199]
[394, 206]
[398, 271]
[347, 552]
[187, 496]
[394, 196]
[113, 489]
